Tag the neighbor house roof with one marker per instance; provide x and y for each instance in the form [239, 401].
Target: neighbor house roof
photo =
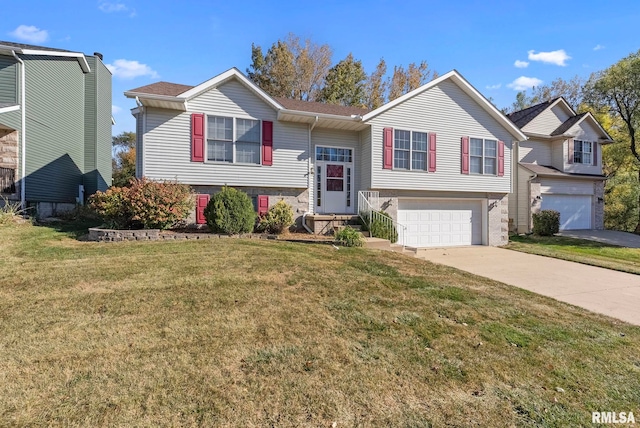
[25, 49]
[568, 124]
[522, 117]
[322, 108]
[163, 88]
[549, 171]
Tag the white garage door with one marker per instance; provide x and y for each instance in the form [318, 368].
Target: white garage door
[434, 223]
[575, 210]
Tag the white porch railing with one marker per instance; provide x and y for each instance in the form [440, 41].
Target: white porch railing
[371, 215]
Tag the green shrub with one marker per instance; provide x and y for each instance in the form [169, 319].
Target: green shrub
[546, 222]
[9, 211]
[277, 219]
[144, 203]
[349, 237]
[230, 211]
[379, 228]
[112, 207]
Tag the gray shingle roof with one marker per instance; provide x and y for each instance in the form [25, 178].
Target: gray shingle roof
[34, 47]
[322, 108]
[568, 124]
[522, 117]
[550, 171]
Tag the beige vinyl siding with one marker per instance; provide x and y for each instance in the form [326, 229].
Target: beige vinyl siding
[532, 151]
[55, 128]
[523, 199]
[364, 161]
[446, 110]
[167, 154]
[559, 154]
[566, 187]
[587, 132]
[8, 80]
[548, 121]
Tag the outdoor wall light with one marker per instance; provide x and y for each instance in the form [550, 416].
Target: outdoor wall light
[601, 200]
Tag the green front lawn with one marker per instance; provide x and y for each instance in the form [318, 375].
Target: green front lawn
[579, 250]
[236, 332]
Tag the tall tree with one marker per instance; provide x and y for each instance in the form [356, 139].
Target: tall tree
[618, 88]
[123, 160]
[345, 83]
[290, 68]
[403, 81]
[570, 90]
[377, 86]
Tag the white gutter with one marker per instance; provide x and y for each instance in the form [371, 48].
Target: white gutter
[23, 139]
[82, 60]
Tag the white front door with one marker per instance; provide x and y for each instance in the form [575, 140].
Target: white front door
[334, 180]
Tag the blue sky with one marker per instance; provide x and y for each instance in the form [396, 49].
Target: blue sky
[499, 46]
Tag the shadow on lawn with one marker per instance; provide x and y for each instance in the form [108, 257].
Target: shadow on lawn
[75, 229]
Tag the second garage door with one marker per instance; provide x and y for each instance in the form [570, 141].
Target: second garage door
[575, 210]
[433, 223]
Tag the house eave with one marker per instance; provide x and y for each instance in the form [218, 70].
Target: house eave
[353, 123]
[82, 60]
[563, 175]
[159, 101]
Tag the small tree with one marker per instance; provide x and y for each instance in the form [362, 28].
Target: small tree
[230, 211]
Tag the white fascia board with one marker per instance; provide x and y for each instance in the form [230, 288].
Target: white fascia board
[564, 102]
[548, 137]
[468, 89]
[82, 60]
[597, 124]
[319, 115]
[223, 77]
[10, 108]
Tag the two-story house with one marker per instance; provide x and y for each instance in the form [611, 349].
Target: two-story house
[559, 167]
[437, 159]
[55, 126]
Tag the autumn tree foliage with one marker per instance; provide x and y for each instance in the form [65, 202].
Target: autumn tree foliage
[123, 162]
[302, 70]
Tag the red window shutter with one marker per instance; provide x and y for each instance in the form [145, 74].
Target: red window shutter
[570, 153]
[267, 143]
[197, 137]
[201, 204]
[594, 153]
[263, 205]
[500, 158]
[465, 155]
[432, 152]
[387, 155]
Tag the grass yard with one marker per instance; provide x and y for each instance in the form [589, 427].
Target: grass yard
[263, 333]
[579, 250]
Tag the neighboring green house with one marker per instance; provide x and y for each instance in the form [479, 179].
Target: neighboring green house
[55, 126]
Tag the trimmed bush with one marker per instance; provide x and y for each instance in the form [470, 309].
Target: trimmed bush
[379, 228]
[230, 211]
[278, 219]
[546, 222]
[144, 203]
[349, 237]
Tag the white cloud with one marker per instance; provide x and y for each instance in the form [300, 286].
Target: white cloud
[115, 109]
[523, 83]
[521, 64]
[598, 47]
[558, 57]
[30, 33]
[109, 7]
[496, 86]
[126, 69]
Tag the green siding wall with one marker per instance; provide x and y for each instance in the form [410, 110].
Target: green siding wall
[55, 128]
[89, 171]
[103, 131]
[8, 80]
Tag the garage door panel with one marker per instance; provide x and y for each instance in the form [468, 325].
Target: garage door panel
[441, 223]
[575, 210]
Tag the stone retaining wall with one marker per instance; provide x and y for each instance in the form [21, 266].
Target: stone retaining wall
[117, 235]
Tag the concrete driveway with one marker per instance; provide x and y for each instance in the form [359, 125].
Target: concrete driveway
[613, 237]
[605, 291]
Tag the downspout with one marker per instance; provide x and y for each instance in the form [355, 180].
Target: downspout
[530, 213]
[309, 172]
[23, 125]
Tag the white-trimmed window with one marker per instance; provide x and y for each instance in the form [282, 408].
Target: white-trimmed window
[582, 152]
[410, 150]
[483, 156]
[233, 140]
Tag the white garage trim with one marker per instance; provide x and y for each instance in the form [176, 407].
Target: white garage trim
[575, 210]
[443, 222]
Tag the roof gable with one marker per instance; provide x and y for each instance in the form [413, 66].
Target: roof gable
[467, 88]
[25, 49]
[524, 117]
